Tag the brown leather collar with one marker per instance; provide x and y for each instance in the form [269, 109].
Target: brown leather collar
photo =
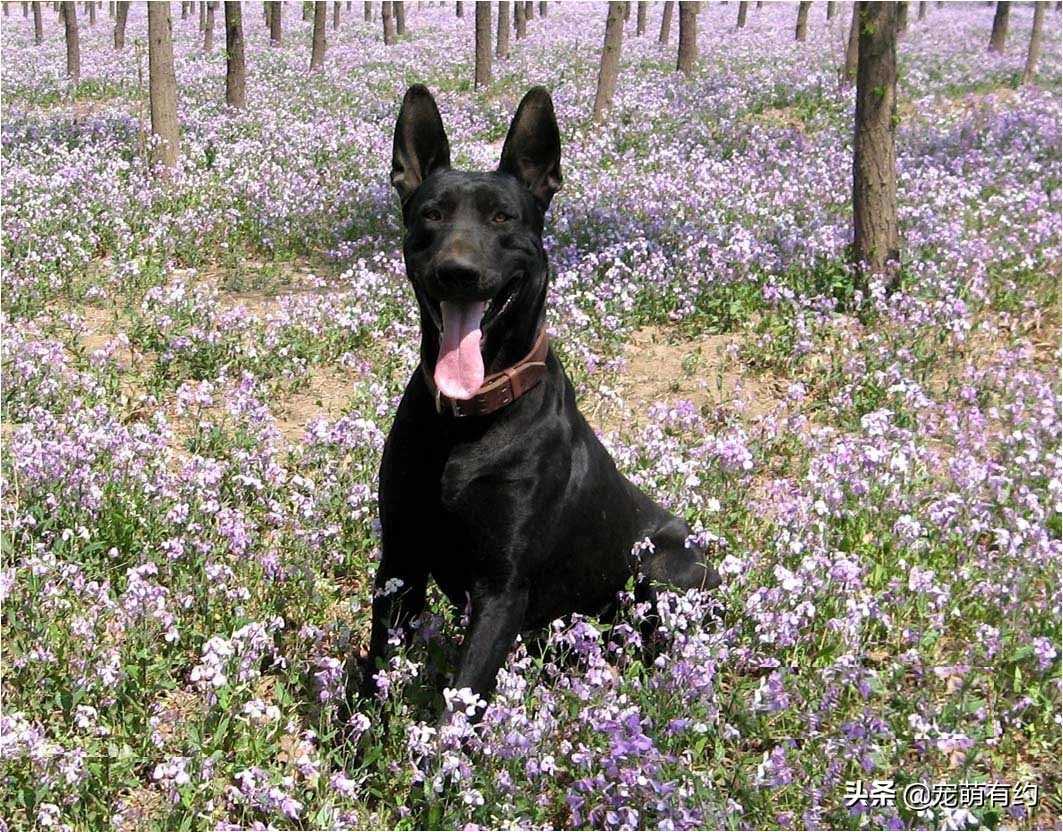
[498, 389]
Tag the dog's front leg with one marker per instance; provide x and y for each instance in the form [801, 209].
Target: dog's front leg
[497, 616]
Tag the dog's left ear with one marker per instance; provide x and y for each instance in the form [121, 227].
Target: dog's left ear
[532, 152]
[421, 144]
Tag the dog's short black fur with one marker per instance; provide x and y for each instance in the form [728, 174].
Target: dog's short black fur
[522, 510]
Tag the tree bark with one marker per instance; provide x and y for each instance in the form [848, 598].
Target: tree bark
[640, 18]
[520, 22]
[73, 46]
[502, 45]
[922, 12]
[1000, 27]
[208, 27]
[121, 15]
[482, 72]
[688, 37]
[743, 10]
[666, 22]
[90, 7]
[367, 11]
[802, 21]
[542, 8]
[162, 86]
[902, 18]
[831, 9]
[459, 10]
[317, 47]
[1034, 52]
[852, 49]
[235, 67]
[609, 71]
[398, 10]
[276, 31]
[876, 241]
[335, 15]
[529, 10]
[389, 23]
[38, 23]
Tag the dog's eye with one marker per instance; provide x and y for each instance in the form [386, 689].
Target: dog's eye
[432, 214]
[500, 217]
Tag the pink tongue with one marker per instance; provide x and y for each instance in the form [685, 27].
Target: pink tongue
[460, 368]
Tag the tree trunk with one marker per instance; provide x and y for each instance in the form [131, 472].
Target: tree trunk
[902, 18]
[38, 23]
[743, 9]
[542, 8]
[830, 10]
[162, 86]
[609, 70]
[389, 23]
[502, 47]
[398, 10]
[1034, 51]
[852, 49]
[335, 15]
[459, 10]
[276, 32]
[802, 21]
[922, 13]
[688, 37]
[482, 73]
[91, 9]
[121, 15]
[640, 18]
[666, 22]
[529, 10]
[876, 241]
[73, 47]
[1000, 27]
[520, 22]
[235, 68]
[367, 11]
[208, 27]
[317, 47]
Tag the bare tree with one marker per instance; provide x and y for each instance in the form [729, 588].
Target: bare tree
[802, 20]
[276, 32]
[666, 22]
[688, 37]
[902, 18]
[38, 23]
[640, 18]
[162, 86]
[389, 23]
[831, 9]
[73, 46]
[502, 38]
[482, 72]
[1000, 27]
[852, 49]
[90, 7]
[520, 20]
[921, 16]
[609, 71]
[876, 239]
[1034, 52]
[336, 15]
[317, 47]
[743, 10]
[367, 11]
[208, 27]
[542, 8]
[529, 10]
[398, 9]
[235, 67]
[459, 10]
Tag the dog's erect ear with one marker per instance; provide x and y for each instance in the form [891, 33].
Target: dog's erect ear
[421, 144]
[532, 152]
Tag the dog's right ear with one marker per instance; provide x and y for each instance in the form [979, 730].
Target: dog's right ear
[421, 144]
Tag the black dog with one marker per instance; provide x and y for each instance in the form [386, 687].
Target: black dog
[492, 482]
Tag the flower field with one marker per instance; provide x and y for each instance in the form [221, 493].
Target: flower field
[198, 374]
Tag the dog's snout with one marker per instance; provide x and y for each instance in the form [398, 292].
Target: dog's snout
[458, 274]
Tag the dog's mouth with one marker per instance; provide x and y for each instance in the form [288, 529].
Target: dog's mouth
[459, 369]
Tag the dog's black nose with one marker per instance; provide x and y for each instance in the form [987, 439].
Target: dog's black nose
[458, 274]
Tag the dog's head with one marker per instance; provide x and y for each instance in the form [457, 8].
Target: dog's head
[473, 242]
